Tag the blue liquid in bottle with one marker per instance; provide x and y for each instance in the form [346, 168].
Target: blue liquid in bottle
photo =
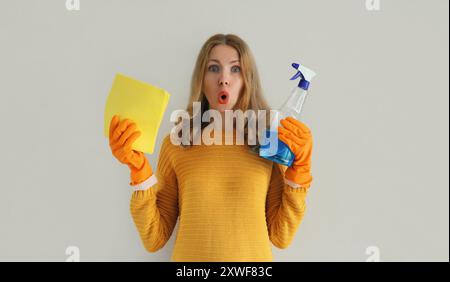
[280, 152]
[282, 155]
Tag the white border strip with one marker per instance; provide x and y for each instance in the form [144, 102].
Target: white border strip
[146, 184]
[292, 184]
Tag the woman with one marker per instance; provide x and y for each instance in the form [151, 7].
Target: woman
[231, 203]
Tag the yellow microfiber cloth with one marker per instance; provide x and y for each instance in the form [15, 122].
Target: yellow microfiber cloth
[140, 102]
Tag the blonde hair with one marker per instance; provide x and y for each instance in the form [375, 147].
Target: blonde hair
[251, 96]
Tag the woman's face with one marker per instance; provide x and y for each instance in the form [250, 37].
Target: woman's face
[223, 81]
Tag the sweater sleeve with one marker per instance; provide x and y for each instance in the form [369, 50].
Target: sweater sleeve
[285, 207]
[155, 210]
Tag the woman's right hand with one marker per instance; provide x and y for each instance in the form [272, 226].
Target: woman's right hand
[122, 135]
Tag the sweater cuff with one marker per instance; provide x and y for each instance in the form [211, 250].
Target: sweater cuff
[151, 181]
[294, 185]
[300, 178]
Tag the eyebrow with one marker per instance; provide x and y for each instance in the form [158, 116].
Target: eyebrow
[214, 60]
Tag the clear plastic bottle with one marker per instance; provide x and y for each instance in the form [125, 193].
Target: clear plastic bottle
[275, 149]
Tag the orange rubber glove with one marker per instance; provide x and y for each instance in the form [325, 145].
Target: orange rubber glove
[298, 137]
[122, 135]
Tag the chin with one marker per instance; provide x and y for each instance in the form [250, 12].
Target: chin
[222, 107]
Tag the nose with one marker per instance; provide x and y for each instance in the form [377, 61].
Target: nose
[223, 80]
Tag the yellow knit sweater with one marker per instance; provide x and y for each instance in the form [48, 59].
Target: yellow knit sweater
[230, 202]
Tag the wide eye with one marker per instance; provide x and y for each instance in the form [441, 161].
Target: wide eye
[213, 68]
[235, 69]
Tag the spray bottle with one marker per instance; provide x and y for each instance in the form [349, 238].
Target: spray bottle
[275, 149]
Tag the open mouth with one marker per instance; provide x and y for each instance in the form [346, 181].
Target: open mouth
[223, 97]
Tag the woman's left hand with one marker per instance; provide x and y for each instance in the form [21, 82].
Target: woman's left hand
[298, 137]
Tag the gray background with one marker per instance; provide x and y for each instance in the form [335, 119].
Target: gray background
[378, 111]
